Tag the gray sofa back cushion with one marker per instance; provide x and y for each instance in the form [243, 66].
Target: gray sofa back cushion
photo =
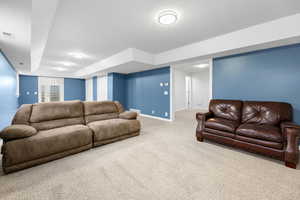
[100, 110]
[56, 114]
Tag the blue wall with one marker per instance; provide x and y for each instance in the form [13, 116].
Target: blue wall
[28, 84]
[8, 90]
[117, 87]
[271, 75]
[74, 89]
[95, 88]
[142, 91]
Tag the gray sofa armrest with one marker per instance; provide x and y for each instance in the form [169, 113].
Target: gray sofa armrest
[17, 131]
[128, 115]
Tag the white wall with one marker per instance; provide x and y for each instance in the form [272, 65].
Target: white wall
[179, 97]
[89, 89]
[200, 94]
[102, 88]
[200, 89]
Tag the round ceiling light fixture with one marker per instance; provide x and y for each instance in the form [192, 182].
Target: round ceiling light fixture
[167, 17]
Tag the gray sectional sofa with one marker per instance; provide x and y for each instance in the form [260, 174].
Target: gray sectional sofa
[46, 131]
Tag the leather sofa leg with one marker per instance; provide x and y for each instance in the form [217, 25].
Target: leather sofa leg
[291, 165]
[200, 139]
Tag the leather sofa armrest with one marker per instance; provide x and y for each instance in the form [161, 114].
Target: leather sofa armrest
[128, 115]
[201, 118]
[17, 131]
[204, 115]
[291, 134]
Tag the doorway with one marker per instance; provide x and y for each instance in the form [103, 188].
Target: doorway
[191, 87]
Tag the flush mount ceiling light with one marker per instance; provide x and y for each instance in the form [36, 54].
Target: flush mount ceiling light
[201, 65]
[78, 55]
[167, 17]
[67, 64]
[59, 69]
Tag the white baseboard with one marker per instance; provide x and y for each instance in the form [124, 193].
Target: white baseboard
[154, 117]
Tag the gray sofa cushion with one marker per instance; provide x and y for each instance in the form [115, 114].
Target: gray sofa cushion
[112, 128]
[46, 143]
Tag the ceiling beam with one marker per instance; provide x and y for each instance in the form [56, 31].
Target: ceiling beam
[43, 14]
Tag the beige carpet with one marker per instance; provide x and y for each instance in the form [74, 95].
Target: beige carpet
[165, 162]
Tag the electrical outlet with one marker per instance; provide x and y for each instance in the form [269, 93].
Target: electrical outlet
[166, 92]
[153, 112]
[161, 84]
[166, 114]
[27, 93]
[35, 93]
[166, 84]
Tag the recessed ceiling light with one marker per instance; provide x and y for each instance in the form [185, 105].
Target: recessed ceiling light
[78, 55]
[201, 65]
[167, 17]
[67, 64]
[59, 69]
[7, 34]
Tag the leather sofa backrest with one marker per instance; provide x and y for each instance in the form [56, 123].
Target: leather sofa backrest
[56, 114]
[100, 110]
[271, 113]
[227, 109]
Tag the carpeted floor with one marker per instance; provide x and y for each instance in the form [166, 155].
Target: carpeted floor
[165, 162]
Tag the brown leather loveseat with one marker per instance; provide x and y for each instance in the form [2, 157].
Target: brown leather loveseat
[46, 131]
[260, 127]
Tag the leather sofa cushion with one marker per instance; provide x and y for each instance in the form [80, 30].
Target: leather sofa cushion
[227, 109]
[220, 133]
[56, 110]
[260, 131]
[271, 113]
[17, 132]
[221, 124]
[46, 143]
[265, 143]
[107, 129]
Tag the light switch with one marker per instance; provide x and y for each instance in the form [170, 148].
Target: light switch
[166, 92]
[35, 93]
[161, 84]
[166, 84]
[27, 93]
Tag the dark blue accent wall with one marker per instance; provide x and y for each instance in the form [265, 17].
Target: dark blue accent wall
[271, 75]
[145, 93]
[142, 91]
[74, 89]
[117, 87]
[95, 88]
[8, 91]
[28, 88]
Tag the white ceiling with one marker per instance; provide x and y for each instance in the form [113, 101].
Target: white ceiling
[102, 29]
[15, 19]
